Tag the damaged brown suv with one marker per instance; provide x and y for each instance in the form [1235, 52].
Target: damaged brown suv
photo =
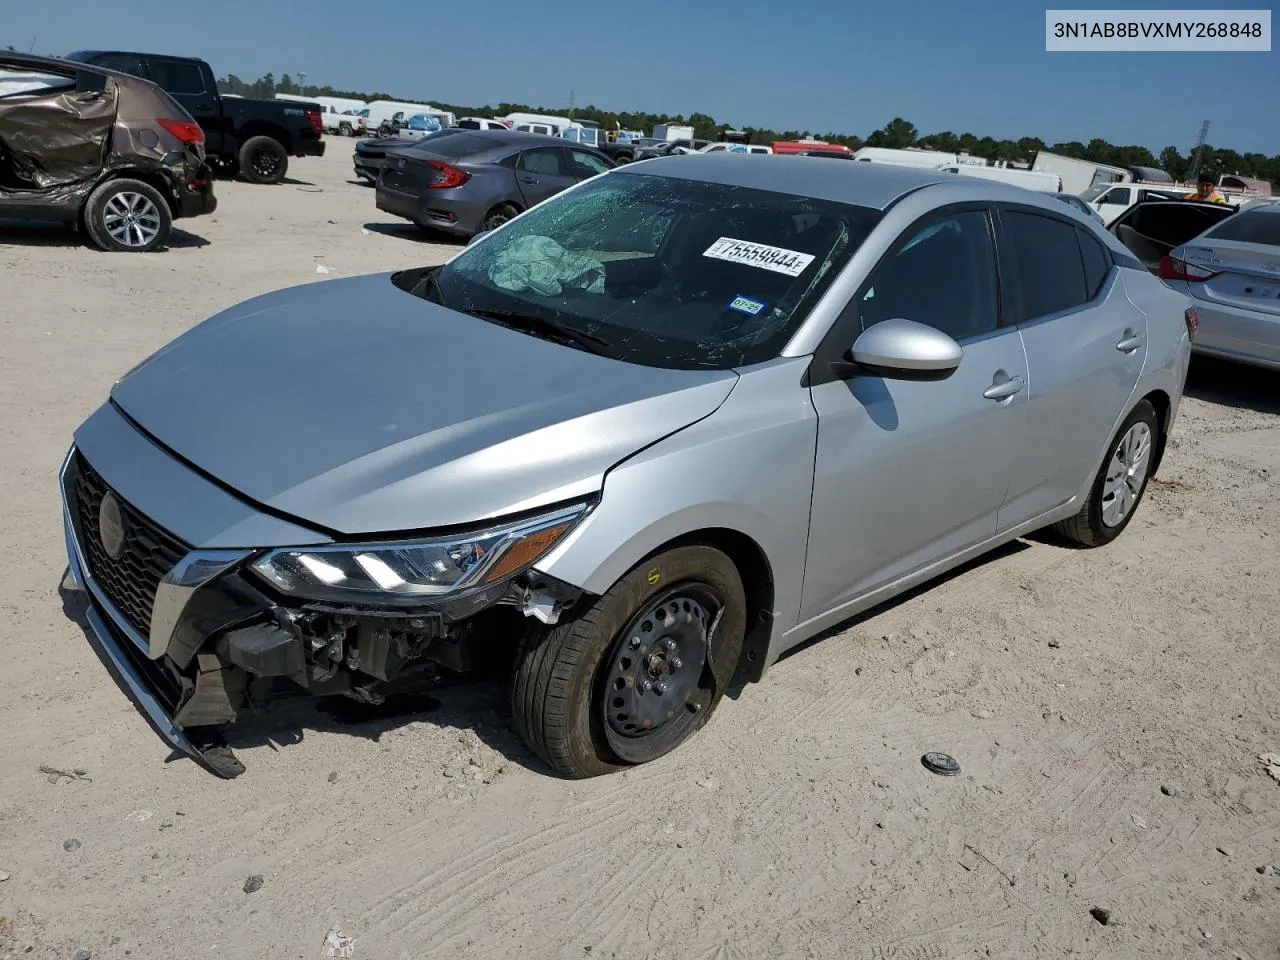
[109, 153]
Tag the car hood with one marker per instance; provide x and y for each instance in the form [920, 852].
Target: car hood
[361, 409]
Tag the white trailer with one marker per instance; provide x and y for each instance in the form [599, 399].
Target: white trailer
[1079, 175]
[1027, 179]
[929, 159]
[672, 131]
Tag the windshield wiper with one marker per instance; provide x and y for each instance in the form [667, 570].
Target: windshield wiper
[544, 327]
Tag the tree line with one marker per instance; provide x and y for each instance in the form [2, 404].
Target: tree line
[897, 133]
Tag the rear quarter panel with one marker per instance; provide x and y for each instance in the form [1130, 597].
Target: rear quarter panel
[1168, 344]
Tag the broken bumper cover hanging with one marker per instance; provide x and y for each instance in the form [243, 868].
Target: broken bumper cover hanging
[185, 630]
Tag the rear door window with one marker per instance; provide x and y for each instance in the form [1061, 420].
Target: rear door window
[1097, 262]
[123, 62]
[1046, 256]
[1174, 223]
[177, 76]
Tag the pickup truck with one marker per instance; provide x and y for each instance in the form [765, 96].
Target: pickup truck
[254, 138]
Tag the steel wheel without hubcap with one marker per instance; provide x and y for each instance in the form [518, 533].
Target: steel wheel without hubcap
[131, 219]
[658, 679]
[1126, 474]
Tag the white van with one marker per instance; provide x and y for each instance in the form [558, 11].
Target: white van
[930, 159]
[1027, 179]
[381, 110]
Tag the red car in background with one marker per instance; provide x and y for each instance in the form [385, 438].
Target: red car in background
[812, 148]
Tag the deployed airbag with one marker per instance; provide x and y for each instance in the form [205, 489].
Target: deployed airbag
[540, 264]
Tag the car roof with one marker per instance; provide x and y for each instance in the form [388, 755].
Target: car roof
[129, 53]
[65, 63]
[874, 185]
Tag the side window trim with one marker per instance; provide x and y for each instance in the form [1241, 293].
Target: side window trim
[848, 325]
[1016, 304]
[1104, 288]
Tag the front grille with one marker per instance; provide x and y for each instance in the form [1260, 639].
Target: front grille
[130, 583]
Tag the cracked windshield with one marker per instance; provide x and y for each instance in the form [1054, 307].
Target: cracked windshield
[657, 270]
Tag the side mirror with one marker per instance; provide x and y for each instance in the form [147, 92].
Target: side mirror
[475, 237]
[901, 349]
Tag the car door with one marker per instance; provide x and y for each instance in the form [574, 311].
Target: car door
[1085, 344]
[1152, 229]
[1114, 202]
[908, 473]
[542, 173]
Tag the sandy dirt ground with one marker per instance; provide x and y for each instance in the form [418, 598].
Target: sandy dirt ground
[1108, 708]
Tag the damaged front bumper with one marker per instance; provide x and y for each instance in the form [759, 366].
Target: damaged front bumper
[190, 632]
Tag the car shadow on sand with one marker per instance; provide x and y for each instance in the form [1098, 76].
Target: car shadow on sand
[1233, 385]
[39, 234]
[410, 231]
[480, 705]
[1008, 550]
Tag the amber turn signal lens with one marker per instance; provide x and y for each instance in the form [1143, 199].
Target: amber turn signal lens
[525, 552]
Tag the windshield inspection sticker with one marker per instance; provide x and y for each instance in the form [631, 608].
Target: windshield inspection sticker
[777, 259]
[751, 308]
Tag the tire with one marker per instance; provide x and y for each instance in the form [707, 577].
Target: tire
[571, 681]
[498, 216]
[127, 216]
[263, 160]
[1122, 477]
[622, 158]
[344, 130]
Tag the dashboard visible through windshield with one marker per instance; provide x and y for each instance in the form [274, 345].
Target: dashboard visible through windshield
[656, 270]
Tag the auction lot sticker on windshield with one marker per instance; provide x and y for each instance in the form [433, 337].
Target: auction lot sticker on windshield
[777, 259]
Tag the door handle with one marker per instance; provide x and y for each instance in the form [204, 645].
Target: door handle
[528, 179]
[1003, 387]
[1130, 342]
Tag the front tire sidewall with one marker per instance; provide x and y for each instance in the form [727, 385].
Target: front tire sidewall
[574, 741]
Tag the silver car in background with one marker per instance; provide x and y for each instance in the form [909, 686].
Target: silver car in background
[1232, 273]
[630, 447]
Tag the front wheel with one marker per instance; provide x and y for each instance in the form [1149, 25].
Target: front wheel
[1120, 482]
[263, 160]
[127, 215]
[636, 673]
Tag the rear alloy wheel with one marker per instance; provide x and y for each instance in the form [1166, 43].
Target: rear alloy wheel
[637, 672]
[263, 160]
[127, 215]
[1120, 482]
[344, 129]
[498, 216]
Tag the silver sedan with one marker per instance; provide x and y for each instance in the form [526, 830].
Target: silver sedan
[628, 448]
[1232, 273]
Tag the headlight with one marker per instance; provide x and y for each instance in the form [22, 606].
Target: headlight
[413, 572]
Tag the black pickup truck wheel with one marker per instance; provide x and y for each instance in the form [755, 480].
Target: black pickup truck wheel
[263, 160]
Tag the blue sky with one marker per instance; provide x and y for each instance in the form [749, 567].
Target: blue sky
[821, 65]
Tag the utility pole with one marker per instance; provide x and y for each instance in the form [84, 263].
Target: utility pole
[570, 104]
[1198, 156]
